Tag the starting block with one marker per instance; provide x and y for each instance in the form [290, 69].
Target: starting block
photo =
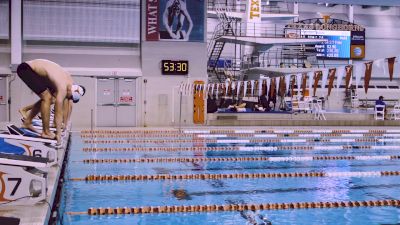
[17, 144]
[22, 182]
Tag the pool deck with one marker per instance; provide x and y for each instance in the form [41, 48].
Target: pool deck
[39, 214]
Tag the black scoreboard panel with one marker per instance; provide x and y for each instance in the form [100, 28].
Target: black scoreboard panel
[174, 67]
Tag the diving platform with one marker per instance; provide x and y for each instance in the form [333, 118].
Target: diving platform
[264, 16]
[252, 41]
[279, 71]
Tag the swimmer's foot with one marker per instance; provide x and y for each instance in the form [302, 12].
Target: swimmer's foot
[48, 136]
[29, 126]
[23, 113]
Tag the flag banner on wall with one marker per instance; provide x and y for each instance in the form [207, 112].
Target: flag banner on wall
[367, 77]
[310, 81]
[245, 89]
[282, 88]
[175, 20]
[358, 71]
[280, 85]
[277, 84]
[298, 81]
[317, 77]
[391, 67]
[340, 74]
[349, 71]
[332, 73]
[325, 74]
[304, 84]
[287, 83]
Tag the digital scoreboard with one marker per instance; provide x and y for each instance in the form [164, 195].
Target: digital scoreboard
[337, 45]
[174, 67]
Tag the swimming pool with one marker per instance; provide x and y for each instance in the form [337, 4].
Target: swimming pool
[231, 170]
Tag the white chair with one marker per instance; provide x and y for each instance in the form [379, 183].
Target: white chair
[319, 113]
[379, 112]
[354, 101]
[395, 113]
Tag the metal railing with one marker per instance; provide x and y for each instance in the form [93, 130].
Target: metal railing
[243, 29]
[283, 57]
[233, 6]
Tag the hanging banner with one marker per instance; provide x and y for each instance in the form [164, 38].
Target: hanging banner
[217, 91]
[239, 85]
[310, 81]
[260, 87]
[175, 20]
[317, 77]
[252, 87]
[293, 82]
[325, 74]
[282, 87]
[298, 81]
[304, 84]
[332, 73]
[287, 83]
[267, 86]
[391, 67]
[367, 77]
[359, 70]
[277, 83]
[349, 71]
[272, 92]
[245, 88]
[340, 74]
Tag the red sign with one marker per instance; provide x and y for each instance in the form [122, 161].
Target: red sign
[152, 12]
[126, 99]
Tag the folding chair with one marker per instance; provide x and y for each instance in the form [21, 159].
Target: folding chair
[396, 113]
[379, 112]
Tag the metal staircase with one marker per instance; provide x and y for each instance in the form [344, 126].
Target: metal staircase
[215, 47]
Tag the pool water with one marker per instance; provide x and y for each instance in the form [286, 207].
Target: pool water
[79, 196]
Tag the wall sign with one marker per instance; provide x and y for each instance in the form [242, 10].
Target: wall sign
[174, 67]
[175, 20]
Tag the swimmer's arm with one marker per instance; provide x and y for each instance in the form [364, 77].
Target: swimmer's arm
[165, 20]
[186, 14]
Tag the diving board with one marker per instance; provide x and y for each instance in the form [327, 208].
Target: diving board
[268, 40]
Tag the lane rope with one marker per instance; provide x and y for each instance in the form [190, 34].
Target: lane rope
[241, 148]
[238, 135]
[231, 141]
[236, 207]
[239, 159]
[239, 131]
[233, 176]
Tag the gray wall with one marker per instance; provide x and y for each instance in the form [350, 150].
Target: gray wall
[159, 88]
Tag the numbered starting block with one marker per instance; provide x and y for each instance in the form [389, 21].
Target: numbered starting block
[22, 180]
[16, 143]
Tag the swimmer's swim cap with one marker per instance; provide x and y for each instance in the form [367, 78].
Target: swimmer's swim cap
[77, 92]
